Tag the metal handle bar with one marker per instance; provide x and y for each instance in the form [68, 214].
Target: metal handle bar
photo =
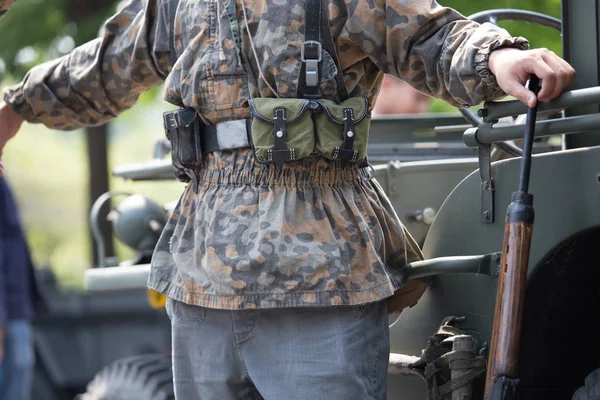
[487, 134]
[484, 264]
[494, 110]
[508, 147]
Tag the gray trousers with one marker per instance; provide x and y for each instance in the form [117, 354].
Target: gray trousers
[280, 354]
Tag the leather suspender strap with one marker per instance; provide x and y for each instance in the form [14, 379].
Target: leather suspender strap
[317, 36]
[313, 18]
[329, 45]
[311, 52]
[172, 9]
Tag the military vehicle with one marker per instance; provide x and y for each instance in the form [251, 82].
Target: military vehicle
[461, 177]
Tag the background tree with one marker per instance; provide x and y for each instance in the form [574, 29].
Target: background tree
[538, 36]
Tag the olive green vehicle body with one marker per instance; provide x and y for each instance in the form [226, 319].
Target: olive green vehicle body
[563, 279]
[424, 169]
[563, 275]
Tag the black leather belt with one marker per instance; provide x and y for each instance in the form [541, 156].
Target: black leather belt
[224, 135]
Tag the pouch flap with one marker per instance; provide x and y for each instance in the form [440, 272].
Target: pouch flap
[264, 108]
[335, 112]
[185, 117]
[180, 118]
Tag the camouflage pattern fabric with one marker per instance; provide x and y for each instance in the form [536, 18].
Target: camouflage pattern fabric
[245, 235]
[5, 5]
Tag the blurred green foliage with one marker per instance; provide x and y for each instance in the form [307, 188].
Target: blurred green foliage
[538, 36]
[34, 31]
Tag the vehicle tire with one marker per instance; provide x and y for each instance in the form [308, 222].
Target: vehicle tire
[145, 377]
[591, 389]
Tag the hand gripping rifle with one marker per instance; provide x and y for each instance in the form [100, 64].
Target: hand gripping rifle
[501, 380]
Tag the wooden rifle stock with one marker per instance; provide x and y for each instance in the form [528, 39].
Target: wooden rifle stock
[508, 316]
[501, 378]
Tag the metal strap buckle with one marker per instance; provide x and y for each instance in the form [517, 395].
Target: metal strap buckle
[311, 43]
[312, 65]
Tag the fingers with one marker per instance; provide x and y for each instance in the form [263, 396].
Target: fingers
[562, 77]
[513, 68]
[536, 65]
[555, 73]
[568, 70]
[518, 90]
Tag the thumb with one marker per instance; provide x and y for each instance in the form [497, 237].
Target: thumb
[523, 94]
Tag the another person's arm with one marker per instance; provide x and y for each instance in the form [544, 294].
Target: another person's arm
[3, 270]
[441, 53]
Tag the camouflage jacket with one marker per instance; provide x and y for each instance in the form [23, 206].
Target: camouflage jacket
[245, 235]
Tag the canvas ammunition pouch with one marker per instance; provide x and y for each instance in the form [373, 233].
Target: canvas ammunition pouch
[292, 129]
[288, 129]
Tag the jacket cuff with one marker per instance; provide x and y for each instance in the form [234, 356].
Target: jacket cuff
[14, 96]
[483, 56]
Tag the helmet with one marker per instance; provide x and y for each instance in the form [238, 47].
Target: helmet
[138, 222]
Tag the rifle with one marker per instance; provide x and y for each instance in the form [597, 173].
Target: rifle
[501, 380]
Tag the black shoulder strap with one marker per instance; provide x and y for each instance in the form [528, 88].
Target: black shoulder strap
[172, 7]
[311, 52]
[329, 45]
[313, 18]
[317, 35]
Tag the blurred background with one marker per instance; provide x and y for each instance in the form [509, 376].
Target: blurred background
[50, 170]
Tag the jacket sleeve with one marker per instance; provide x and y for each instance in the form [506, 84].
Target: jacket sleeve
[435, 49]
[100, 79]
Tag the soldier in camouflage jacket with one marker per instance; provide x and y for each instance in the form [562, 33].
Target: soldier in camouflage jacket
[245, 235]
